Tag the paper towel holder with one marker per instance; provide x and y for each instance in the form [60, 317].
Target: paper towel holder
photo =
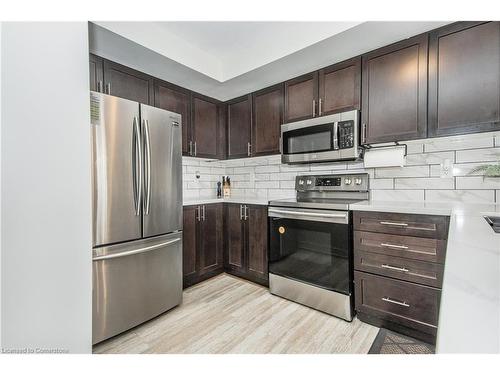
[396, 144]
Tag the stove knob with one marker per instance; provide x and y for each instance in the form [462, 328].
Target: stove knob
[309, 182]
[301, 182]
[358, 181]
[347, 181]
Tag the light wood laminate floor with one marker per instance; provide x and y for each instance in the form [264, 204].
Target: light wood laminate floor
[226, 314]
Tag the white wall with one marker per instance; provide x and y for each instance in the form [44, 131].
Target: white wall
[46, 194]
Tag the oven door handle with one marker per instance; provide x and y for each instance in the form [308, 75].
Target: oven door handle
[291, 213]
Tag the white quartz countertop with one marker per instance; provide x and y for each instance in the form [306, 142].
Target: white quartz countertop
[258, 201]
[469, 318]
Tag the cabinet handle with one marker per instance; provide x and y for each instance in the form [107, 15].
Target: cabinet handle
[402, 269]
[394, 246]
[246, 212]
[319, 107]
[249, 149]
[108, 88]
[314, 108]
[99, 86]
[393, 223]
[198, 213]
[195, 148]
[363, 133]
[241, 212]
[400, 303]
[203, 213]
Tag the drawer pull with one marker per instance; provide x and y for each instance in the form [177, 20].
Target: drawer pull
[402, 269]
[394, 223]
[390, 300]
[394, 246]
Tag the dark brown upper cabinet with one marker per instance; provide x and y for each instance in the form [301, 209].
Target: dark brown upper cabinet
[464, 78]
[178, 100]
[239, 127]
[394, 92]
[340, 87]
[267, 119]
[301, 97]
[205, 127]
[127, 83]
[96, 73]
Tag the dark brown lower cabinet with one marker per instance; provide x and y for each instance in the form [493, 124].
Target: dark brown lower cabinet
[398, 270]
[245, 252]
[202, 242]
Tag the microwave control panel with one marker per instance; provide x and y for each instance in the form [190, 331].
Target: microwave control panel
[346, 134]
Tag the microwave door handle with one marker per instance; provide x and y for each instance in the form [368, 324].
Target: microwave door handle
[335, 135]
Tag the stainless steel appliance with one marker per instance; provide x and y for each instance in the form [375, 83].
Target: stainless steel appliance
[310, 252]
[137, 213]
[320, 139]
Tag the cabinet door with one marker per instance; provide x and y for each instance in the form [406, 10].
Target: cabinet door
[239, 127]
[189, 246]
[127, 83]
[205, 126]
[394, 90]
[96, 73]
[234, 260]
[257, 243]
[340, 87]
[301, 97]
[178, 100]
[267, 119]
[210, 237]
[464, 78]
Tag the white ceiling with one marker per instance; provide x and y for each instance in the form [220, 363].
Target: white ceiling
[227, 59]
[224, 50]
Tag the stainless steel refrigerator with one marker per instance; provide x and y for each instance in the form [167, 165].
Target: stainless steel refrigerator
[137, 213]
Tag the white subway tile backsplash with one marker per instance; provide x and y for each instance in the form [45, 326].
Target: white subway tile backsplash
[397, 195]
[381, 183]
[485, 154]
[267, 169]
[466, 196]
[267, 184]
[462, 142]
[430, 158]
[478, 182]
[413, 171]
[287, 184]
[265, 177]
[424, 183]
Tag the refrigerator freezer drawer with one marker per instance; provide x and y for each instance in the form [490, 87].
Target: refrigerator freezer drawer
[134, 282]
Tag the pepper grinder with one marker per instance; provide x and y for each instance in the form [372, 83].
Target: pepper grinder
[219, 190]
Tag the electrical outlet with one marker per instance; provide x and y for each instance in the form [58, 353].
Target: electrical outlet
[446, 170]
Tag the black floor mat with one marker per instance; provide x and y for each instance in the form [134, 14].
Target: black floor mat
[388, 342]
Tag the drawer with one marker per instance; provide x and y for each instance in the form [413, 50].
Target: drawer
[428, 226]
[416, 271]
[407, 304]
[418, 248]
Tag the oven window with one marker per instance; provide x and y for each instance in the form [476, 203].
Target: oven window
[312, 139]
[313, 252]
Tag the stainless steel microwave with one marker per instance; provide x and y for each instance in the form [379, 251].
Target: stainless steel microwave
[320, 139]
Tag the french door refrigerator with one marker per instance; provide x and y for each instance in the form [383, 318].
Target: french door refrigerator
[137, 213]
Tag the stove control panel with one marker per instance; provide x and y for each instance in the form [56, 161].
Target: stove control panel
[340, 182]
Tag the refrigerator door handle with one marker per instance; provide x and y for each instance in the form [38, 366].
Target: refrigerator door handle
[137, 166]
[138, 251]
[147, 175]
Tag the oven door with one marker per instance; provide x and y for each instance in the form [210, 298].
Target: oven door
[311, 246]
